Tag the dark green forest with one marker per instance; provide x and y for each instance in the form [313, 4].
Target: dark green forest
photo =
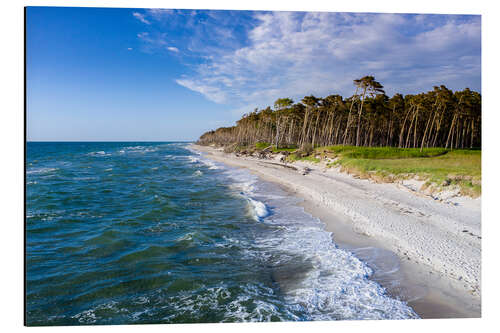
[437, 118]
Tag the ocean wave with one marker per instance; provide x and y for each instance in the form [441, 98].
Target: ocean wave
[176, 157]
[99, 153]
[259, 209]
[244, 185]
[186, 237]
[139, 149]
[85, 178]
[211, 165]
[198, 159]
[101, 311]
[86, 317]
[190, 149]
[243, 303]
[40, 170]
[45, 215]
[322, 281]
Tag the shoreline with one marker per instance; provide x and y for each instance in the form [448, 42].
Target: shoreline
[439, 264]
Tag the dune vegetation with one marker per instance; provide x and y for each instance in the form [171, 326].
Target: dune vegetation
[440, 168]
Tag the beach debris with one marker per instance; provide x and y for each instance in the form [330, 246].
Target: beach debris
[283, 165]
[446, 182]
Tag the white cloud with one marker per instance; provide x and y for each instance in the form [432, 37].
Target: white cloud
[129, 48]
[295, 54]
[141, 18]
[143, 35]
[159, 13]
[156, 41]
[151, 42]
[213, 93]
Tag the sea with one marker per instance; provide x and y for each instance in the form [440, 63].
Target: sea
[155, 232]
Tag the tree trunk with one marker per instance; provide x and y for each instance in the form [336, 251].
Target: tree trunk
[277, 131]
[359, 117]
[389, 130]
[304, 128]
[472, 135]
[407, 143]
[315, 127]
[349, 116]
[415, 131]
[337, 132]
[425, 133]
[438, 127]
[403, 128]
[462, 136]
[451, 131]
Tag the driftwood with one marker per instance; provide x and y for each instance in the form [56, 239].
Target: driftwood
[263, 154]
[283, 165]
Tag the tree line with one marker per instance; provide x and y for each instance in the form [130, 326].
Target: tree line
[438, 118]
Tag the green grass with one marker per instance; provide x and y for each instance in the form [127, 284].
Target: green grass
[436, 165]
[440, 167]
[310, 159]
[383, 152]
[294, 157]
[262, 145]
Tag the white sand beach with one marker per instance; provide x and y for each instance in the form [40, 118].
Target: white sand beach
[436, 241]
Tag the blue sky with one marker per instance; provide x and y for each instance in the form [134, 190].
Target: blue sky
[138, 74]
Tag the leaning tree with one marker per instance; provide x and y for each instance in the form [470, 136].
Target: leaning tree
[371, 87]
[280, 106]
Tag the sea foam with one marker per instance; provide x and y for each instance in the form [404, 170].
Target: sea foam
[315, 275]
[40, 170]
[259, 208]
